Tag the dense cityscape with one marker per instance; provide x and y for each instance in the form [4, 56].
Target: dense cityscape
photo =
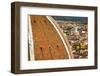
[77, 35]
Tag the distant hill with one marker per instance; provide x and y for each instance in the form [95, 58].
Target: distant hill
[71, 18]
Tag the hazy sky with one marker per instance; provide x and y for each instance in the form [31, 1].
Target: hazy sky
[71, 18]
